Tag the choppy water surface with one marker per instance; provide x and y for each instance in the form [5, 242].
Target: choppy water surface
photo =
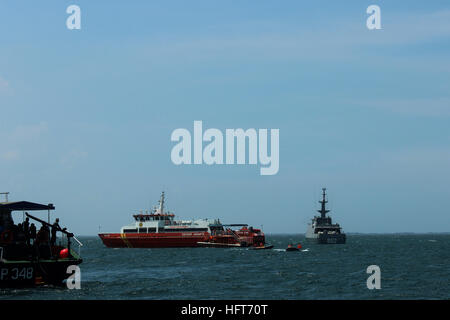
[412, 267]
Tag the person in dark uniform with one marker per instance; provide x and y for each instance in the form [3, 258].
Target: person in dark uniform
[55, 228]
[26, 230]
[32, 232]
[20, 235]
[42, 235]
[42, 243]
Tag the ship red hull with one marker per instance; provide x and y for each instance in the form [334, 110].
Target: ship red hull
[153, 240]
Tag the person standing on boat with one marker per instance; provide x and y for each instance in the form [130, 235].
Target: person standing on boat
[32, 234]
[55, 228]
[26, 230]
[42, 244]
[42, 235]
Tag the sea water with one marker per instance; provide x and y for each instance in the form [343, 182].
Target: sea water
[412, 266]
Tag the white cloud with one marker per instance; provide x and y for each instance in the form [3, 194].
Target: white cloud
[420, 107]
[72, 157]
[4, 85]
[24, 133]
[10, 155]
[420, 28]
[344, 42]
[23, 139]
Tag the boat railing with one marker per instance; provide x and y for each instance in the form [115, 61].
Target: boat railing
[66, 238]
[79, 245]
[234, 234]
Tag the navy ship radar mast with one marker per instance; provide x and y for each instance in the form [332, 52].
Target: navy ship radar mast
[323, 211]
[322, 228]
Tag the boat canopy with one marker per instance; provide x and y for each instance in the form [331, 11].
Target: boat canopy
[24, 206]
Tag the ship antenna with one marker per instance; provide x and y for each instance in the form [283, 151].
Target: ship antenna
[323, 211]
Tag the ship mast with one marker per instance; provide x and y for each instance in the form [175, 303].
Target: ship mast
[161, 204]
[323, 211]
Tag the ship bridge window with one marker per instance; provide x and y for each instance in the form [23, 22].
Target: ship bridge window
[186, 230]
[142, 230]
[129, 230]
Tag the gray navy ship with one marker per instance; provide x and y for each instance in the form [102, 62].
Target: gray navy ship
[322, 229]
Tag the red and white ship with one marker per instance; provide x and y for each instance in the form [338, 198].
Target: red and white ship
[160, 230]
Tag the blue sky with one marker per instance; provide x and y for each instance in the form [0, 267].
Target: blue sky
[86, 115]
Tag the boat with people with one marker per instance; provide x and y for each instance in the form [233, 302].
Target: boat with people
[290, 247]
[29, 257]
[159, 229]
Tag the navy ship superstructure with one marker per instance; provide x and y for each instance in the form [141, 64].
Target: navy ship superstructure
[322, 229]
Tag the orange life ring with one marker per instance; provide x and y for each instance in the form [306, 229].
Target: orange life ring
[6, 236]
